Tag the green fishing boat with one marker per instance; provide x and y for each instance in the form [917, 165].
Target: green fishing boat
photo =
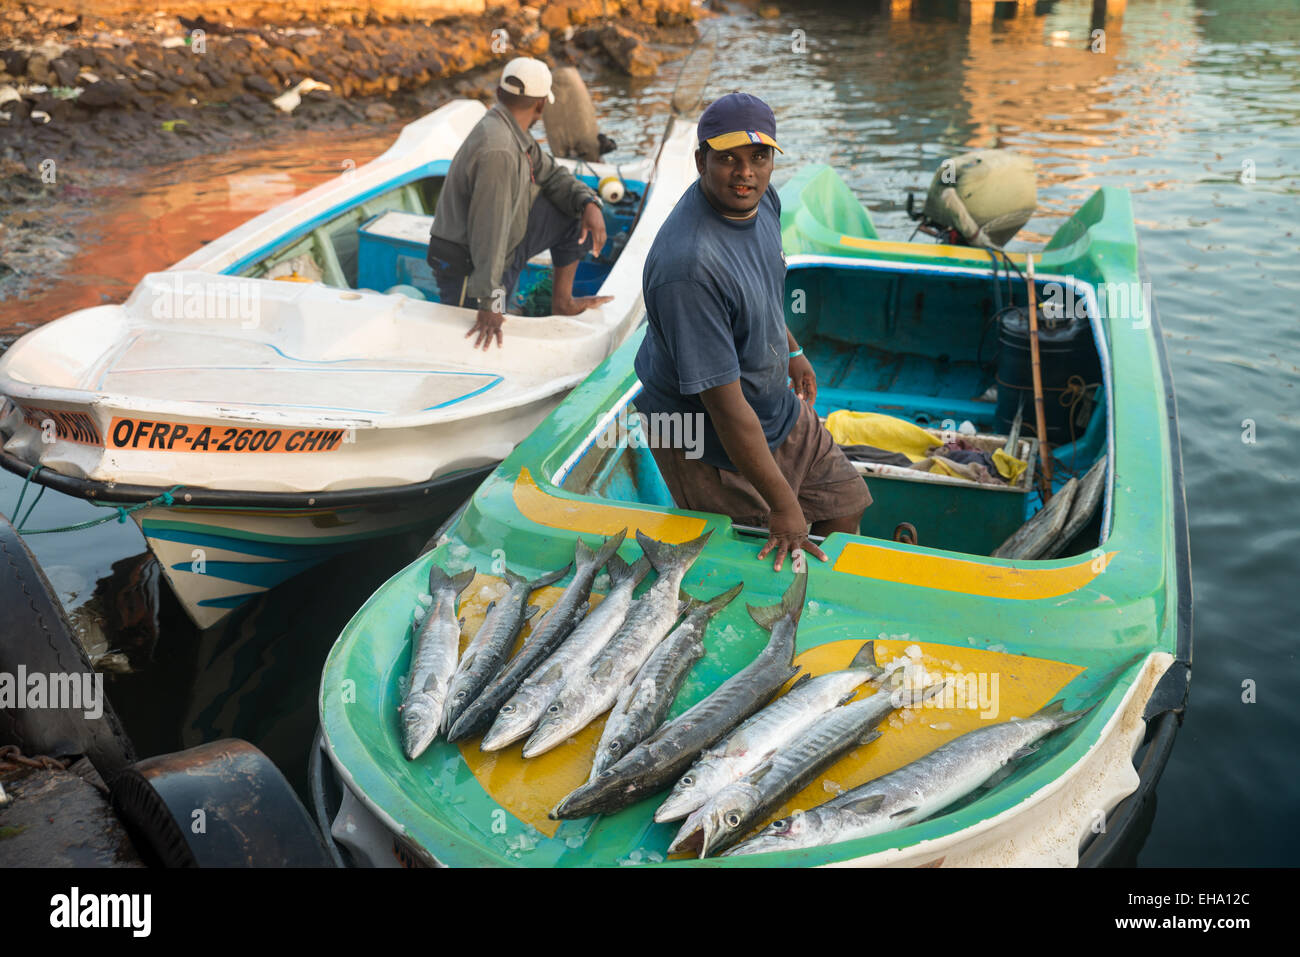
[918, 332]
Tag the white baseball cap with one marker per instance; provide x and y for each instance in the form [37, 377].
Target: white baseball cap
[527, 76]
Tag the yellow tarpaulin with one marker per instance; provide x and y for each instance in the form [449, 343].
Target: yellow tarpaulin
[882, 431]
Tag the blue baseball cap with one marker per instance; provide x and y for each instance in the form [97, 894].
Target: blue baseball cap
[738, 119]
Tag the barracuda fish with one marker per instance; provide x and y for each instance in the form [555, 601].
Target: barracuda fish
[433, 661]
[520, 714]
[651, 617]
[740, 806]
[777, 724]
[643, 705]
[917, 790]
[670, 750]
[546, 636]
[492, 643]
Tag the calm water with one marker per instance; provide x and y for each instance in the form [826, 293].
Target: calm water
[1194, 106]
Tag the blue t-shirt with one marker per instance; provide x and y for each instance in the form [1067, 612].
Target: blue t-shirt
[713, 291]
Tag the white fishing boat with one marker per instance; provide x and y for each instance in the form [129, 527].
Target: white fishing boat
[294, 388]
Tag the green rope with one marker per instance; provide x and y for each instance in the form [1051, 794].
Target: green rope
[22, 494]
[120, 513]
[31, 508]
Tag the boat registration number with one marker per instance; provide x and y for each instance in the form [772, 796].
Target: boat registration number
[145, 434]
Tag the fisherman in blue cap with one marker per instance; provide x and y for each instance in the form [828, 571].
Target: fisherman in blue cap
[717, 347]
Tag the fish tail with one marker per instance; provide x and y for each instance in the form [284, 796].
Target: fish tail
[665, 557]
[549, 579]
[618, 570]
[714, 605]
[586, 557]
[1058, 715]
[438, 578]
[791, 604]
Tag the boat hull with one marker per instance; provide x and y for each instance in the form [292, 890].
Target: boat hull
[1106, 626]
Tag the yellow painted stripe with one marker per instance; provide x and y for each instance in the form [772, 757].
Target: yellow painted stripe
[938, 251]
[593, 518]
[966, 577]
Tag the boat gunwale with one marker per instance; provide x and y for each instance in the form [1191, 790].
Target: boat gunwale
[102, 492]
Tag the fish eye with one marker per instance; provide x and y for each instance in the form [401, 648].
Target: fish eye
[688, 781]
[607, 773]
[732, 819]
[780, 824]
[615, 745]
[508, 709]
[553, 709]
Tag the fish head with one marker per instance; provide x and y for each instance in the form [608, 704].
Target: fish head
[689, 793]
[783, 834]
[421, 721]
[555, 726]
[728, 817]
[515, 719]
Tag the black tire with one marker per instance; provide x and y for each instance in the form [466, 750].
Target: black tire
[221, 804]
[35, 634]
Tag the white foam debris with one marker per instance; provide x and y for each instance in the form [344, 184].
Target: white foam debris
[970, 639]
[635, 856]
[942, 726]
[913, 652]
[830, 787]
[998, 647]
[729, 635]
[425, 600]
[601, 583]
[895, 721]
[654, 857]
[813, 607]
[575, 840]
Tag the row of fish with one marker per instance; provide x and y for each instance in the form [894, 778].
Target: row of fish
[733, 758]
[575, 663]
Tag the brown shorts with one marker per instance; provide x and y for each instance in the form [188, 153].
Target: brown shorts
[824, 481]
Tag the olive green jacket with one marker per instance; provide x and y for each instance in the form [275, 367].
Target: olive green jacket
[494, 178]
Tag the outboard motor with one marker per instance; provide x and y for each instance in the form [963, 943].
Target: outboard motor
[979, 199]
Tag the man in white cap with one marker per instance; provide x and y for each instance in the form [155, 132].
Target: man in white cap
[503, 202]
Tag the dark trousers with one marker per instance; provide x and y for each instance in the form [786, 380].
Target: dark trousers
[548, 228]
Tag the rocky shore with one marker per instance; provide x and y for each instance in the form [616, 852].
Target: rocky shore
[87, 90]
[90, 88]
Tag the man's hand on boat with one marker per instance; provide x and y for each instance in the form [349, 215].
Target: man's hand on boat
[788, 531]
[487, 325]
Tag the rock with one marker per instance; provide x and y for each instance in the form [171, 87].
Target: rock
[65, 71]
[286, 70]
[627, 50]
[104, 93]
[353, 42]
[38, 69]
[554, 17]
[380, 112]
[260, 85]
[536, 44]
[15, 61]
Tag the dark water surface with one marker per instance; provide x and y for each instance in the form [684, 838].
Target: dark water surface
[1193, 105]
